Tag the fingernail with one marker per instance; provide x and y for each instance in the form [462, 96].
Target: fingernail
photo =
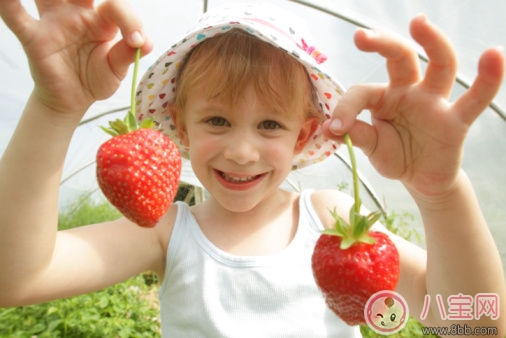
[369, 32]
[335, 125]
[136, 39]
[422, 16]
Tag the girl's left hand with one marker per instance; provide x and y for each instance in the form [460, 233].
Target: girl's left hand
[416, 135]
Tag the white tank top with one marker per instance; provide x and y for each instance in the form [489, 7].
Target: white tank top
[207, 292]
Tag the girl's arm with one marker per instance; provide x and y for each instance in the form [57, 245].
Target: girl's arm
[74, 62]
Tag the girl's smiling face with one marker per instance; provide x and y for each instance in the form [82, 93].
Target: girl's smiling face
[242, 152]
[243, 108]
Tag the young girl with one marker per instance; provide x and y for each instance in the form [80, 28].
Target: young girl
[244, 97]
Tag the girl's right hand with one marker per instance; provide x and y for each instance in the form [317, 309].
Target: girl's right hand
[73, 57]
[417, 133]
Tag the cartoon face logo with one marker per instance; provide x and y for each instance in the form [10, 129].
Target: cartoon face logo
[386, 312]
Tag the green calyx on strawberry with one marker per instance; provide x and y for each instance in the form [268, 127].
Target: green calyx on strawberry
[138, 169]
[350, 262]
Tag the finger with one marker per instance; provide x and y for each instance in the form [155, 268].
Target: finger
[17, 19]
[121, 14]
[356, 99]
[485, 86]
[46, 5]
[82, 3]
[363, 135]
[442, 66]
[402, 62]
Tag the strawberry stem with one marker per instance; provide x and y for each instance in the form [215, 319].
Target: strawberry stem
[356, 230]
[134, 80]
[129, 122]
[356, 193]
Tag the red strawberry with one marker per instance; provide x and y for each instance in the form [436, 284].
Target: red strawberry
[138, 169]
[347, 278]
[351, 263]
[139, 172]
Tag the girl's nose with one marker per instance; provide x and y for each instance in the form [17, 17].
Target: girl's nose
[242, 150]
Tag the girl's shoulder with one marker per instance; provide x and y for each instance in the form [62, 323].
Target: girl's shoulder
[327, 200]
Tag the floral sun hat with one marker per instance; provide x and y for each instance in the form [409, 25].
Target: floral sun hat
[156, 89]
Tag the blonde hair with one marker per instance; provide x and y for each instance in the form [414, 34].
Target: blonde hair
[223, 66]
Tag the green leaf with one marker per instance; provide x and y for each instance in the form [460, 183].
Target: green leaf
[109, 131]
[360, 226]
[51, 310]
[346, 243]
[53, 325]
[148, 123]
[373, 217]
[130, 121]
[332, 232]
[341, 227]
[38, 328]
[104, 302]
[119, 126]
[365, 238]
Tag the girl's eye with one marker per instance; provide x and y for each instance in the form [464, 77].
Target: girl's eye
[269, 124]
[217, 121]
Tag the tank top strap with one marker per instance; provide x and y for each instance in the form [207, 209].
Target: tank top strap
[307, 211]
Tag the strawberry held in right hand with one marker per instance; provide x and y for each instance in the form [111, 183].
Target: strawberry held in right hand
[138, 169]
[139, 172]
[351, 263]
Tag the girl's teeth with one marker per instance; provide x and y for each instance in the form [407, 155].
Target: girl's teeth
[237, 179]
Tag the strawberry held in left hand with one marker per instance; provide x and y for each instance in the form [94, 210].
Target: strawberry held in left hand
[138, 169]
[351, 263]
[349, 277]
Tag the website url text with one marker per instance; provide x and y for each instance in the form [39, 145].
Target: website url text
[460, 330]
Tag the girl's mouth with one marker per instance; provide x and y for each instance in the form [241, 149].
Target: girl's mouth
[238, 181]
